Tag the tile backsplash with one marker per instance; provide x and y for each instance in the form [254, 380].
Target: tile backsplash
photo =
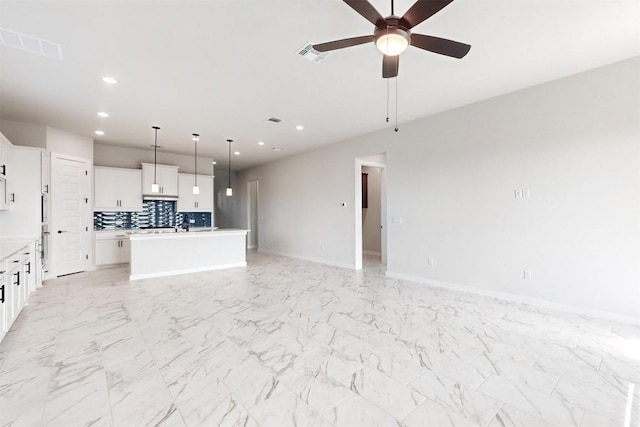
[154, 214]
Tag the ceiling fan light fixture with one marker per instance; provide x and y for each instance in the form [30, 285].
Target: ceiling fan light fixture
[392, 41]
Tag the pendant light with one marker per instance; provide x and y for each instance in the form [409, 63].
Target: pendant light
[196, 189]
[155, 188]
[229, 189]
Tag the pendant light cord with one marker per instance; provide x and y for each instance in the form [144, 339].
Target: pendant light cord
[387, 100]
[229, 141]
[155, 154]
[195, 159]
[396, 129]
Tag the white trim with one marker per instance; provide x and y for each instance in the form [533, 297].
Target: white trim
[607, 315]
[306, 258]
[371, 253]
[185, 271]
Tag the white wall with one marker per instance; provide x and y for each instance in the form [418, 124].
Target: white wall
[59, 141]
[125, 157]
[371, 215]
[26, 134]
[574, 143]
[227, 211]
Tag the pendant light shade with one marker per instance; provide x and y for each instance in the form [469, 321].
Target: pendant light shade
[229, 189]
[196, 189]
[155, 188]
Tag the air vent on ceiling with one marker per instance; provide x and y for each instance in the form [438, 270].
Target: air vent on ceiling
[274, 120]
[308, 52]
[30, 44]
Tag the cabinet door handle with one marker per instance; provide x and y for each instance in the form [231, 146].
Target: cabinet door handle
[2, 294]
[46, 188]
[29, 267]
[13, 197]
[4, 170]
[17, 282]
[62, 231]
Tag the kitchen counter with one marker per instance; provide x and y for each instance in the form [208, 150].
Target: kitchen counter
[10, 247]
[171, 253]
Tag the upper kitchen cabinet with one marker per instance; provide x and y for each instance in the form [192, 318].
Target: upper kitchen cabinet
[6, 166]
[189, 202]
[166, 178]
[117, 190]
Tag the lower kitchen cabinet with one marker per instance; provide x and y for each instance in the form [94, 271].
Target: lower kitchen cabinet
[17, 280]
[112, 248]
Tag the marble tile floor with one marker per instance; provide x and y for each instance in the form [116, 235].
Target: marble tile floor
[285, 342]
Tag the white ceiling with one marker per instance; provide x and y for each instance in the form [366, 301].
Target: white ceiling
[221, 68]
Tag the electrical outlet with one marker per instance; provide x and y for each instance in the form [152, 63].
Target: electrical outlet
[526, 274]
[429, 262]
[526, 193]
[192, 221]
[517, 194]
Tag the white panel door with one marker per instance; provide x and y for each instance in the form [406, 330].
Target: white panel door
[70, 237]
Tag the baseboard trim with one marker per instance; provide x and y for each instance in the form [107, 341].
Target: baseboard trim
[306, 258]
[185, 271]
[606, 315]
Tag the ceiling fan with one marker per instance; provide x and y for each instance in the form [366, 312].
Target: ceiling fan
[392, 35]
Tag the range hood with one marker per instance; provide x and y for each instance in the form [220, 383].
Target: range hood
[159, 197]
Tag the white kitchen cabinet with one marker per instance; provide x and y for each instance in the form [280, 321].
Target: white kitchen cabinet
[4, 300]
[166, 178]
[112, 248]
[189, 202]
[18, 269]
[117, 190]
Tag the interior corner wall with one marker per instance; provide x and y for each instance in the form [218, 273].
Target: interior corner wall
[574, 143]
[371, 218]
[59, 141]
[227, 209]
[25, 134]
[131, 158]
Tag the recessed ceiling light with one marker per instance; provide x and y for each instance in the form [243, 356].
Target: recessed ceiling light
[103, 114]
[214, 163]
[99, 132]
[260, 142]
[109, 80]
[299, 127]
[277, 149]
[237, 153]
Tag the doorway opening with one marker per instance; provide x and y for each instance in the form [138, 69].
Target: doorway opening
[252, 214]
[371, 211]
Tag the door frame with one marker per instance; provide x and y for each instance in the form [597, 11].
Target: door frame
[257, 181]
[88, 212]
[359, 163]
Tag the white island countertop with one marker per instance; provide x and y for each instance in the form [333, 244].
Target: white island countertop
[185, 234]
[170, 253]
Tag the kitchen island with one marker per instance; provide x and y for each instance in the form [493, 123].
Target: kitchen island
[167, 254]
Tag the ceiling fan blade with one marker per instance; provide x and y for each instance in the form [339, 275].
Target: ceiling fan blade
[340, 44]
[364, 8]
[421, 10]
[441, 46]
[390, 66]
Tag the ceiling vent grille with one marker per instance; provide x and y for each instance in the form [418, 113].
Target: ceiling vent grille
[30, 44]
[308, 52]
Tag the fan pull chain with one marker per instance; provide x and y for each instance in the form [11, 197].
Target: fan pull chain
[396, 128]
[387, 100]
